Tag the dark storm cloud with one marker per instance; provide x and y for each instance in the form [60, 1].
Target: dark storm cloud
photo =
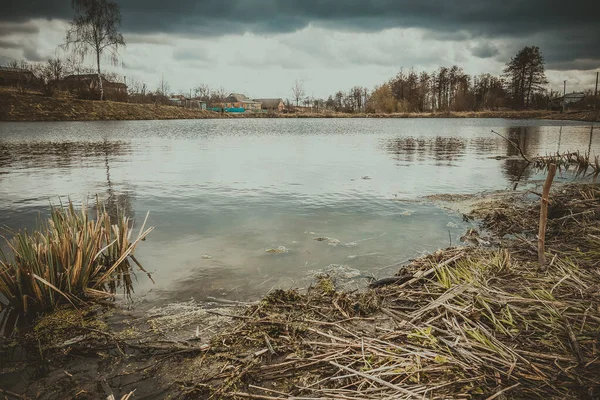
[9, 45]
[21, 11]
[31, 54]
[568, 31]
[189, 54]
[582, 65]
[485, 50]
[11, 28]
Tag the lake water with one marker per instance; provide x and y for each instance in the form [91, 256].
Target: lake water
[221, 192]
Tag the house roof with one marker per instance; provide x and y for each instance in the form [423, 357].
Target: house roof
[575, 95]
[183, 98]
[16, 70]
[238, 97]
[269, 103]
[82, 77]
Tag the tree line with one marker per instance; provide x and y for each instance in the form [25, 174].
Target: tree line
[521, 86]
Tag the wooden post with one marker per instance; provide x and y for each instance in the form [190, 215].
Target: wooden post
[596, 92]
[564, 95]
[544, 215]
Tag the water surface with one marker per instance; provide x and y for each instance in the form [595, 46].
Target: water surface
[221, 192]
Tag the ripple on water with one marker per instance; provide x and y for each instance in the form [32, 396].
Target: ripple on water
[221, 192]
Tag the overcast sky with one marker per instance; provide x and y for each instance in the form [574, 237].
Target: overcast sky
[259, 47]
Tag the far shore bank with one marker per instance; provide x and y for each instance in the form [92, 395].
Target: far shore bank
[32, 107]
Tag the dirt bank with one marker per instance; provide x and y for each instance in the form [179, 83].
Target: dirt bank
[35, 107]
[31, 107]
[482, 320]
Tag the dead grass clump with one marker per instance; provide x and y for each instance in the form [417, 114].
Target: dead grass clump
[570, 161]
[573, 218]
[71, 257]
[462, 323]
[470, 322]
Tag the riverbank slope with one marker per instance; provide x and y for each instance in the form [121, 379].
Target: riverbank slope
[16, 106]
[31, 107]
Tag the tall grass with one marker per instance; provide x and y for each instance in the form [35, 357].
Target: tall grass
[71, 257]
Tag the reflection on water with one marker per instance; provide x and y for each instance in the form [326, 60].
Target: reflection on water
[116, 204]
[515, 167]
[221, 192]
[441, 149]
[56, 154]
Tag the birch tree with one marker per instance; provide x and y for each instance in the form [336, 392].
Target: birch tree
[95, 30]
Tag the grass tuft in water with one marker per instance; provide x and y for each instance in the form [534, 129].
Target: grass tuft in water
[69, 258]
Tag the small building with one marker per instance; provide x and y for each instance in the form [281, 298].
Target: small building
[177, 101]
[91, 82]
[182, 101]
[240, 103]
[573, 98]
[276, 105]
[17, 77]
[570, 100]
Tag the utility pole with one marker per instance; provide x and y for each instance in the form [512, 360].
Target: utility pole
[564, 94]
[596, 92]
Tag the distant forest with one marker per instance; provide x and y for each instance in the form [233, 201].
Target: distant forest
[521, 86]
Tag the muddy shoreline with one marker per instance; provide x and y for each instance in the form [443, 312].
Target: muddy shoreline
[478, 320]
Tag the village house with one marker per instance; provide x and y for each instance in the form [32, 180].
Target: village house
[87, 86]
[239, 102]
[18, 77]
[275, 105]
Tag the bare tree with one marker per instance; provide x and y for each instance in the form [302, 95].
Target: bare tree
[298, 91]
[163, 87]
[218, 95]
[202, 91]
[73, 65]
[50, 73]
[54, 70]
[136, 87]
[95, 29]
[22, 64]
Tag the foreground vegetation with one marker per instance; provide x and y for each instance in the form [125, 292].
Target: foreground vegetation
[477, 321]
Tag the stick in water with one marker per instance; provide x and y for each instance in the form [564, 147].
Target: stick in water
[544, 215]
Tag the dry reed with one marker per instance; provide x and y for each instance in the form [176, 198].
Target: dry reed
[471, 323]
[70, 257]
